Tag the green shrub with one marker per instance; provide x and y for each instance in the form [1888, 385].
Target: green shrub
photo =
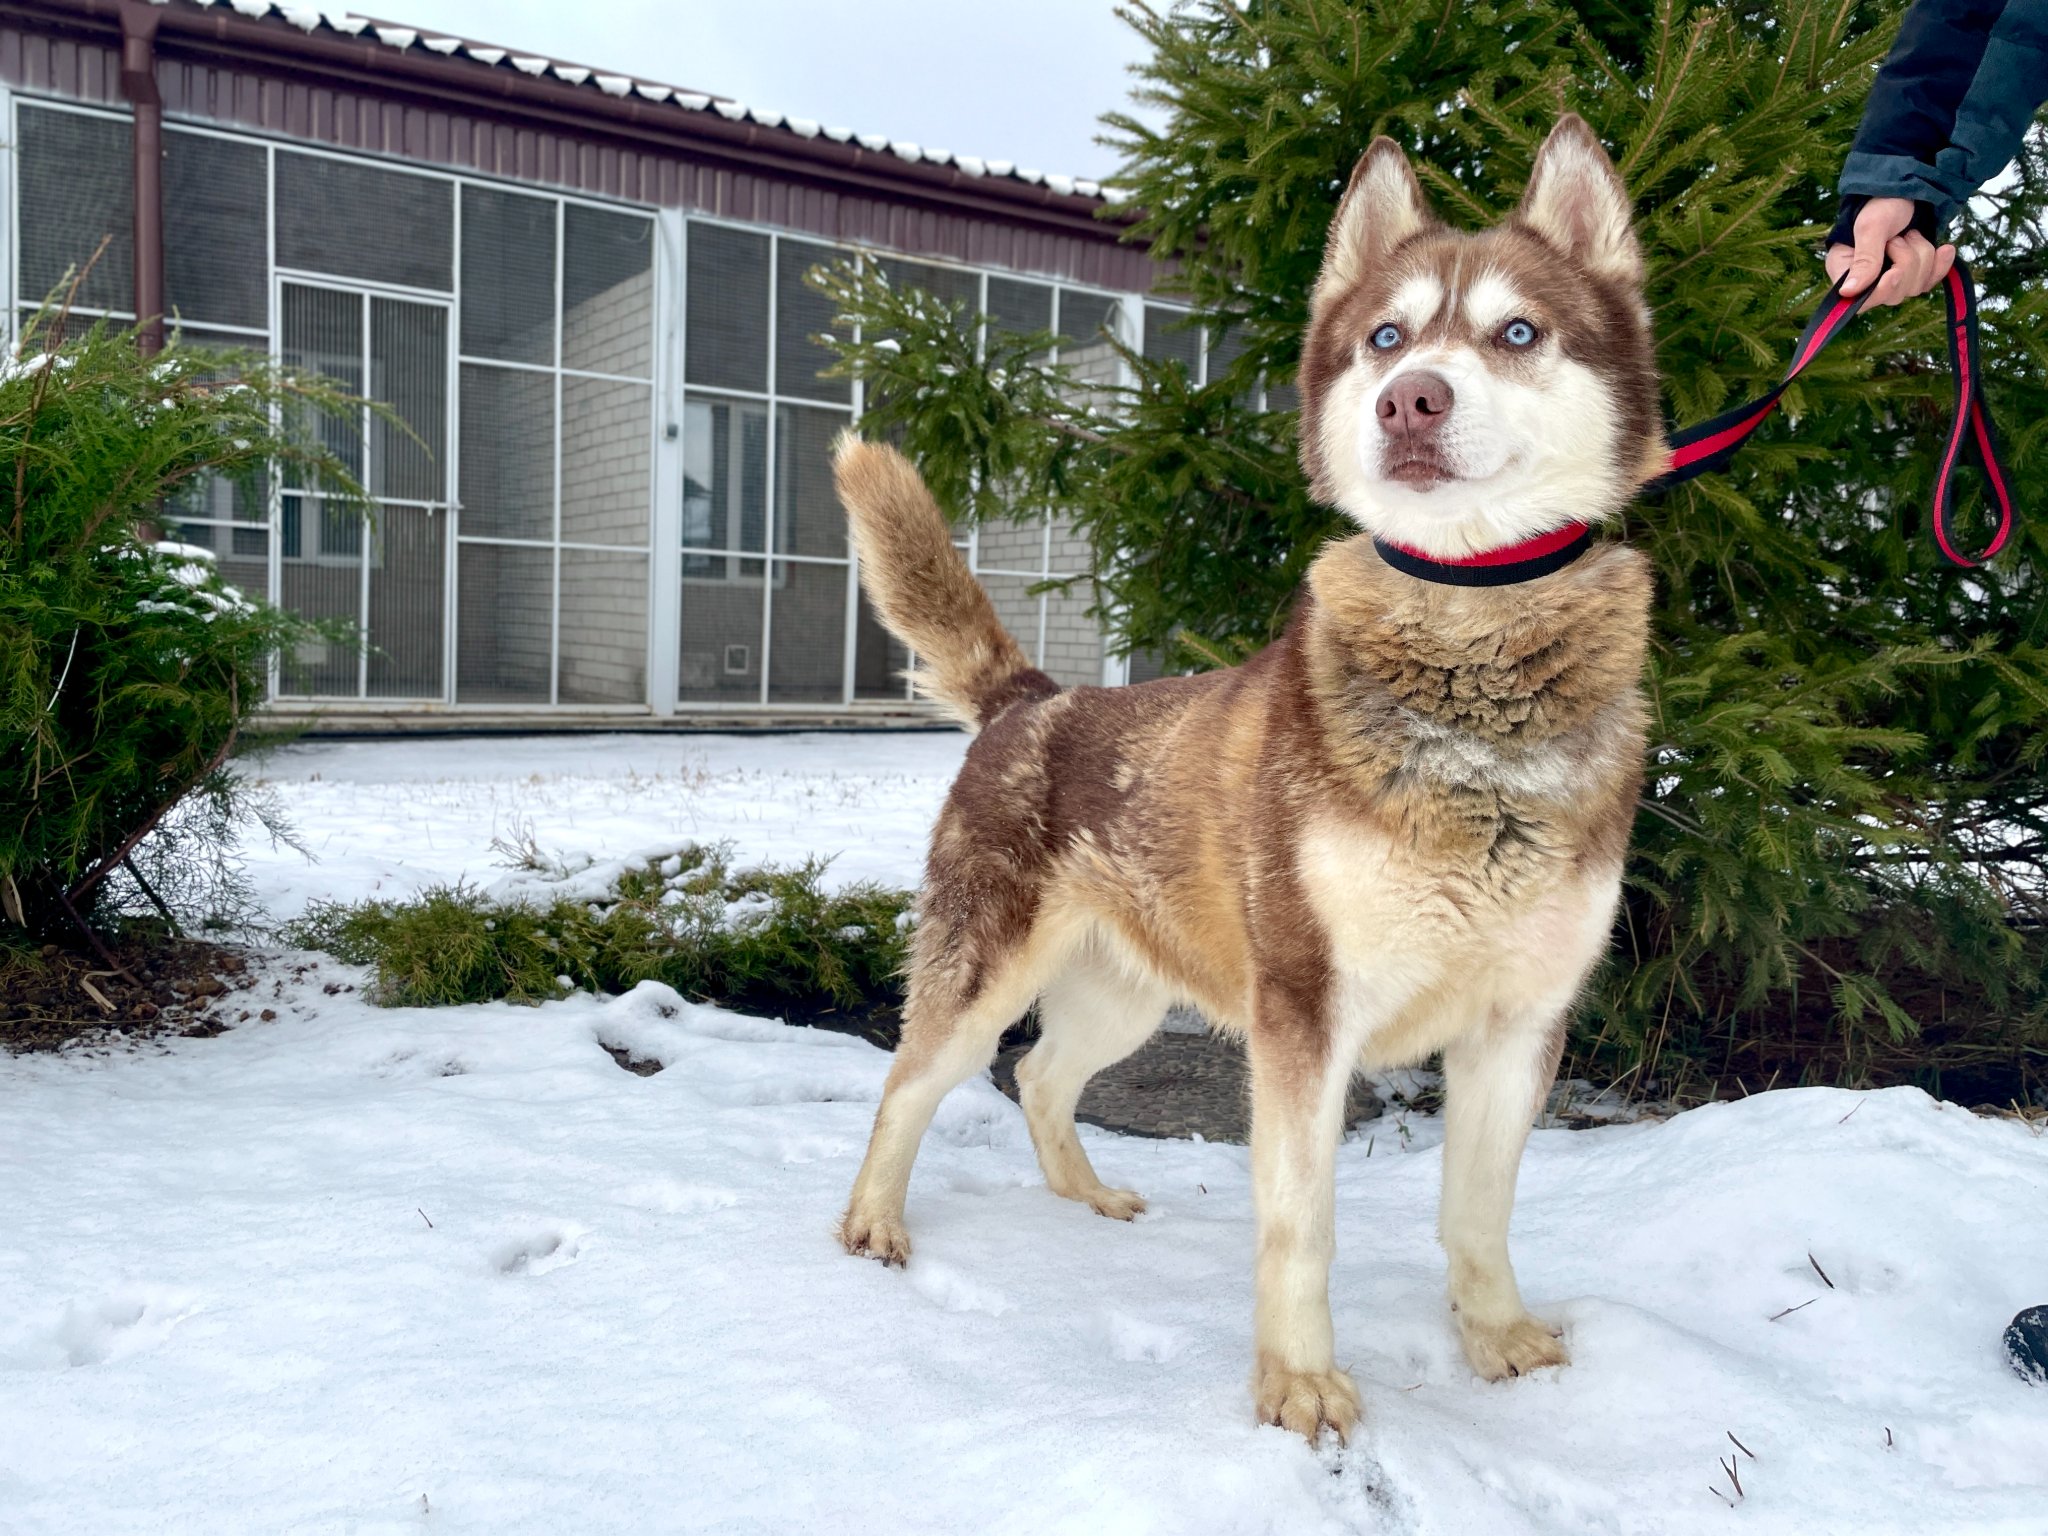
[759, 937]
[1840, 868]
[127, 670]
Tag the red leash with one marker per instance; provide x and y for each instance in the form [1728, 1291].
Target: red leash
[1711, 444]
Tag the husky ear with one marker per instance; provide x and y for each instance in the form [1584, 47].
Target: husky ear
[1382, 206]
[1575, 200]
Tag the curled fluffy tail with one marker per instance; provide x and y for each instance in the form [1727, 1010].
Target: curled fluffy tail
[923, 590]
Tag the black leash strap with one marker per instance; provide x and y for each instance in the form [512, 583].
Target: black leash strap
[1712, 444]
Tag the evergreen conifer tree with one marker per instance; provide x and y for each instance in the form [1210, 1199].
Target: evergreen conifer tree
[1841, 862]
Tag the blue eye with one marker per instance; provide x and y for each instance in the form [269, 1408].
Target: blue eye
[1518, 333]
[1387, 337]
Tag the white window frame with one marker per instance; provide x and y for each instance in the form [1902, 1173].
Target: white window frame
[666, 382]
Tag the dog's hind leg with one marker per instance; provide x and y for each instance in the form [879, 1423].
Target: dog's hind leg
[1091, 1016]
[1494, 1079]
[945, 1041]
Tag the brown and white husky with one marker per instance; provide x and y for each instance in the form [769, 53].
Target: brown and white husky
[1398, 830]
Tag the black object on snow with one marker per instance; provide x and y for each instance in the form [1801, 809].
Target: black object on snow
[2026, 1345]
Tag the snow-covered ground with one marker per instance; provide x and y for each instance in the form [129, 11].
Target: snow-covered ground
[365, 1270]
[384, 818]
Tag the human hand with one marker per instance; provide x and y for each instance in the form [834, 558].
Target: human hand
[1884, 228]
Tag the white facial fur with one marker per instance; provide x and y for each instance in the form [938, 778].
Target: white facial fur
[1529, 452]
[1532, 438]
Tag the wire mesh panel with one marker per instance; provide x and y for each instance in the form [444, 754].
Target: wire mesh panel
[321, 331]
[607, 467]
[508, 453]
[508, 275]
[1087, 322]
[1171, 336]
[1145, 666]
[216, 230]
[604, 627]
[409, 374]
[607, 291]
[76, 179]
[721, 636]
[321, 564]
[408, 562]
[1224, 351]
[725, 340]
[409, 557]
[950, 285]
[725, 480]
[1021, 309]
[388, 577]
[504, 624]
[554, 456]
[801, 313]
[879, 658]
[807, 634]
[808, 517]
[353, 219]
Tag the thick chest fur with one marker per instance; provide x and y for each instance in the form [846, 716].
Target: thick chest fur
[1495, 736]
[1488, 746]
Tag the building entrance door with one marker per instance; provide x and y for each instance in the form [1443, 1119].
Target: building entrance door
[386, 576]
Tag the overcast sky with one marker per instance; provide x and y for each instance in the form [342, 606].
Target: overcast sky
[1020, 80]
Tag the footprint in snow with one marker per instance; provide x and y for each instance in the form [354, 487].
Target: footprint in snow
[552, 1248]
[100, 1331]
[1136, 1340]
[809, 1148]
[953, 1289]
[673, 1197]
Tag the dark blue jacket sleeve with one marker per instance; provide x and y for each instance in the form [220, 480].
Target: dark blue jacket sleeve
[1949, 107]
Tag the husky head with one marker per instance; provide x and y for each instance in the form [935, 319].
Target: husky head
[1464, 392]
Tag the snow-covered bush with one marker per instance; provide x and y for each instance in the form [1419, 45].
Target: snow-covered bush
[127, 665]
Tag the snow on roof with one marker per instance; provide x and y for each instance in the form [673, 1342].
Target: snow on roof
[309, 18]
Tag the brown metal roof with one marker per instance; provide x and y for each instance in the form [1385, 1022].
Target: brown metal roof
[293, 69]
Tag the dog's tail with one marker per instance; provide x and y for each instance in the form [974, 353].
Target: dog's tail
[923, 589]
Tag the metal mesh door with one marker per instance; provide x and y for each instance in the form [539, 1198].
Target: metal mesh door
[387, 575]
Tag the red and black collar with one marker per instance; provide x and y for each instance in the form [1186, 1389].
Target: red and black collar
[1502, 567]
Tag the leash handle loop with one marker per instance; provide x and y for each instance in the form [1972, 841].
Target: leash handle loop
[1711, 445]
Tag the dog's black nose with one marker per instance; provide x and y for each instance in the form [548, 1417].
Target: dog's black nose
[1414, 405]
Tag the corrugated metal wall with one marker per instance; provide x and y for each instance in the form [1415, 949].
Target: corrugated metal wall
[348, 119]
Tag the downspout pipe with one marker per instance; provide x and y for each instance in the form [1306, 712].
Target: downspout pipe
[139, 21]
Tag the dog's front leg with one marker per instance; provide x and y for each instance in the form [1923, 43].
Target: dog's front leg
[1300, 1069]
[1494, 1079]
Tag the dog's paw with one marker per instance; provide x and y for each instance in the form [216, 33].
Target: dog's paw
[874, 1237]
[1120, 1204]
[1515, 1348]
[1305, 1401]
